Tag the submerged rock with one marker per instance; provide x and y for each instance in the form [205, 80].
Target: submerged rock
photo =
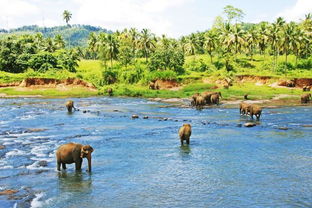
[43, 163]
[307, 125]
[145, 117]
[8, 192]
[34, 130]
[249, 124]
[283, 128]
[2, 147]
[134, 116]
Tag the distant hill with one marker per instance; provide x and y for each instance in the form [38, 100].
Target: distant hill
[74, 35]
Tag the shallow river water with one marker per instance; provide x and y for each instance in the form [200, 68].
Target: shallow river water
[139, 162]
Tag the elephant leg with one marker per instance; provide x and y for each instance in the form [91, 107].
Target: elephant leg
[78, 164]
[181, 140]
[64, 166]
[58, 165]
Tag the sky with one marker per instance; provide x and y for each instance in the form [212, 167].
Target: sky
[171, 17]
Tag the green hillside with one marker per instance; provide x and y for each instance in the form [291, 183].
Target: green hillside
[74, 35]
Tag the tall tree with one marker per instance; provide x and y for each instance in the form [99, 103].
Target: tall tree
[210, 42]
[233, 13]
[67, 16]
[147, 42]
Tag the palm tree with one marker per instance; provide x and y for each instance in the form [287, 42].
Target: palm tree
[263, 37]
[134, 36]
[235, 38]
[92, 44]
[210, 42]
[67, 16]
[59, 41]
[251, 41]
[288, 38]
[111, 47]
[49, 45]
[191, 44]
[146, 42]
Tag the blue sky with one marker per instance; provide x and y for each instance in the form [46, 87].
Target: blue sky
[171, 17]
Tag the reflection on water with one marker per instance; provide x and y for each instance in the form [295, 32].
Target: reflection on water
[140, 163]
[74, 182]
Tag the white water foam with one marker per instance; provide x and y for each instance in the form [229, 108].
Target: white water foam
[16, 152]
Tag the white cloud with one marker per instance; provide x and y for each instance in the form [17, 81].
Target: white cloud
[17, 8]
[119, 14]
[298, 11]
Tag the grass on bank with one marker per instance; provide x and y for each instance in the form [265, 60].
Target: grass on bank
[75, 92]
[197, 67]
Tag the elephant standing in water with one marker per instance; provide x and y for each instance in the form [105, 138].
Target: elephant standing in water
[243, 108]
[255, 110]
[185, 133]
[70, 106]
[73, 153]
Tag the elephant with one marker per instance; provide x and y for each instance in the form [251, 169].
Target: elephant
[215, 98]
[200, 101]
[73, 153]
[185, 133]
[255, 110]
[306, 88]
[193, 102]
[243, 108]
[290, 83]
[109, 91]
[305, 98]
[70, 106]
[153, 86]
[207, 96]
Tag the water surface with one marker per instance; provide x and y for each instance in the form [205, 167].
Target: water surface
[139, 162]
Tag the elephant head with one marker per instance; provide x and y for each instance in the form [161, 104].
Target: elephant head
[86, 151]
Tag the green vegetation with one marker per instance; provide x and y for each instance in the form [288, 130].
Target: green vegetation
[129, 60]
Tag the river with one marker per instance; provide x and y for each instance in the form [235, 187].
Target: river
[140, 163]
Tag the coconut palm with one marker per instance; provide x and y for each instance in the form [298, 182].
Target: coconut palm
[210, 42]
[134, 36]
[191, 44]
[59, 41]
[92, 44]
[263, 37]
[67, 16]
[288, 38]
[235, 38]
[146, 42]
[251, 39]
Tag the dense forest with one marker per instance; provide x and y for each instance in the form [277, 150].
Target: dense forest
[74, 35]
[131, 56]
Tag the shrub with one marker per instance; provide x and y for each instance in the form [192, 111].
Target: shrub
[167, 59]
[131, 75]
[164, 75]
[109, 76]
[43, 61]
[305, 63]
[198, 66]
[283, 67]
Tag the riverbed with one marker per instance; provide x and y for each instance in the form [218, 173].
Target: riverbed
[140, 163]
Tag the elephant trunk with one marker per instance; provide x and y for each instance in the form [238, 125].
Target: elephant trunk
[89, 161]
